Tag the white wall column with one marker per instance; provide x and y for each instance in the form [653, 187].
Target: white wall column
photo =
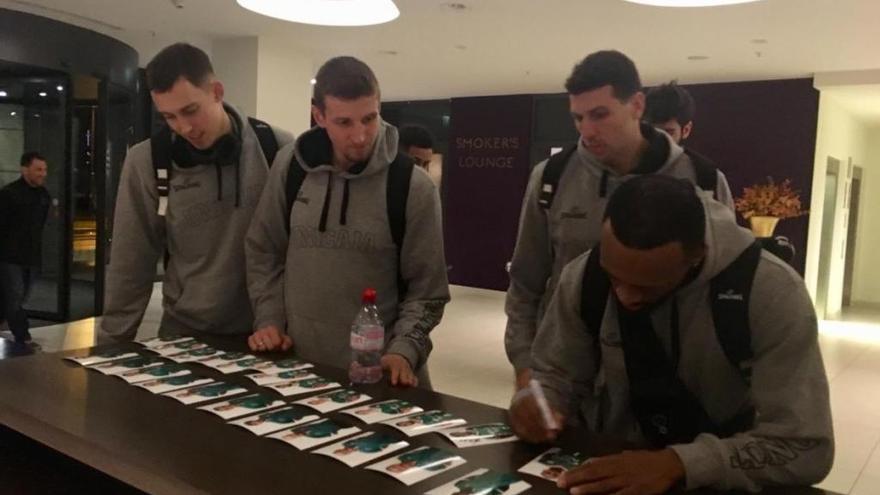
[266, 78]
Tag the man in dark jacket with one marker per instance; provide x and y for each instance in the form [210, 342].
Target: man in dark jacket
[24, 205]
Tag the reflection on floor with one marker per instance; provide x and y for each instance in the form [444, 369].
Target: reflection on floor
[469, 361]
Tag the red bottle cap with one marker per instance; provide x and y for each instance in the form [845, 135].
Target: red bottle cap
[369, 296]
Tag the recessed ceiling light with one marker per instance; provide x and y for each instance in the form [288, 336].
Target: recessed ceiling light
[313, 81]
[326, 13]
[3, 94]
[59, 87]
[12, 114]
[698, 57]
[689, 3]
[43, 94]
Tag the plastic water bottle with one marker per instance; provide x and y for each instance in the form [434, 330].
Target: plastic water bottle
[367, 342]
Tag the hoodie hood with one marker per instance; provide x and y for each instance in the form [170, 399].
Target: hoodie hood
[314, 152]
[725, 239]
[660, 156]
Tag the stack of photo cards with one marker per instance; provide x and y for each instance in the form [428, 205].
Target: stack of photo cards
[296, 387]
[363, 448]
[382, 411]
[333, 400]
[483, 482]
[153, 372]
[248, 363]
[425, 422]
[314, 434]
[177, 347]
[418, 465]
[204, 393]
[199, 354]
[264, 379]
[123, 365]
[102, 357]
[277, 419]
[166, 339]
[551, 464]
[221, 362]
[241, 406]
[280, 366]
[485, 434]
[172, 383]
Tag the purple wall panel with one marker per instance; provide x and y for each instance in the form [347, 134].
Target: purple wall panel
[753, 130]
[485, 176]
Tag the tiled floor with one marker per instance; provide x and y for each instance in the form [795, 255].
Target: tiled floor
[469, 361]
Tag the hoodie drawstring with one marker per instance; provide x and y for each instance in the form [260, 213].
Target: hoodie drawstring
[344, 211]
[603, 184]
[322, 227]
[219, 182]
[237, 183]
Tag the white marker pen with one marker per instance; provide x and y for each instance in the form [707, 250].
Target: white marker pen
[541, 399]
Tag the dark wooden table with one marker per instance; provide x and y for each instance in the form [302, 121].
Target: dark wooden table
[155, 444]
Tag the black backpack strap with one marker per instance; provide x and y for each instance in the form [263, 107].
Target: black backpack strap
[594, 293]
[397, 193]
[396, 196]
[731, 291]
[266, 137]
[160, 149]
[552, 172]
[705, 171]
[295, 177]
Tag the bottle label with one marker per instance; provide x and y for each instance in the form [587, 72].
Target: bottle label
[370, 339]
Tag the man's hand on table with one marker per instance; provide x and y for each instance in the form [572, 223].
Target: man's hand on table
[633, 472]
[400, 373]
[270, 338]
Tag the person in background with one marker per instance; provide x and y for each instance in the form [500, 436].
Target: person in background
[24, 204]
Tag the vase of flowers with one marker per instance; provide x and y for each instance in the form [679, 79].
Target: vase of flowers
[764, 205]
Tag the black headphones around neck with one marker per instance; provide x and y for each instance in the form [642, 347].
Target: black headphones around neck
[225, 151]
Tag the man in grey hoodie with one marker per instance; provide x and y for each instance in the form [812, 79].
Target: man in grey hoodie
[217, 173]
[556, 225]
[309, 259]
[767, 422]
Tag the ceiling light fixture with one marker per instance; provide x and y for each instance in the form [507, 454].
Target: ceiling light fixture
[689, 3]
[43, 94]
[12, 114]
[313, 81]
[59, 87]
[326, 13]
[3, 94]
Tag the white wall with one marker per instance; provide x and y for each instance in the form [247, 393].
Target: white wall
[839, 135]
[235, 63]
[284, 90]
[866, 276]
[266, 80]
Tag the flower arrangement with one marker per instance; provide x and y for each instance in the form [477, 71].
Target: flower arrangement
[770, 200]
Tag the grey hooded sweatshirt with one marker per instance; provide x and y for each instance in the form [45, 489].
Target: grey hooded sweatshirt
[549, 239]
[308, 267]
[204, 287]
[791, 441]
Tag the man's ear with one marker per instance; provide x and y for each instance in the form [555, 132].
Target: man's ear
[319, 116]
[686, 130]
[637, 102]
[217, 90]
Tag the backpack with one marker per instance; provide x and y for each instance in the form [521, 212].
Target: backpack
[160, 147]
[666, 410]
[705, 171]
